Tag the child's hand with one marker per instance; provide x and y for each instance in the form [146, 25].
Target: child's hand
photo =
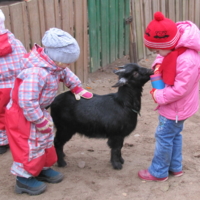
[152, 92]
[45, 126]
[80, 92]
[156, 69]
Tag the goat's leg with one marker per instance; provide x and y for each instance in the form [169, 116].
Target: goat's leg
[59, 141]
[116, 144]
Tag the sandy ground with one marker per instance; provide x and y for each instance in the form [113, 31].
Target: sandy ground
[89, 174]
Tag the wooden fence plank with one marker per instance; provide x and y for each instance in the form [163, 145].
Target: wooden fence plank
[120, 38]
[133, 48]
[185, 9]
[197, 8]
[139, 32]
[117, 23]
[34, 22]
[98, 38]
[191, 14]
[57, 14]
[112, 31]
[163, 6]
[104, 33]
[41, 17]
[171, 10]
[79, 36]
[127, 27]
[85, 42]
[67, 15]
[155, 5]
[143, 28]
[148, 16]
[94, 65]
[177, 10]
[50, 20]
[17, 21]
[27, 44]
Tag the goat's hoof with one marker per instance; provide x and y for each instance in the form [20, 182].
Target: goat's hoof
[117, 165]
[121, 160]
[62, 164]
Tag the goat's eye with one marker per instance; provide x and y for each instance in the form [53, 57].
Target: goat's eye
[135, 74]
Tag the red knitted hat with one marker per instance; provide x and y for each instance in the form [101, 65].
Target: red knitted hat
[161, 33]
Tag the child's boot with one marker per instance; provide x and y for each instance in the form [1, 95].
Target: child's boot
[50, 175]
[3, 149]
[29, 185]
[145, 175]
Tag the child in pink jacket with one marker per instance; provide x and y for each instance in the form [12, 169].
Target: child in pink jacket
[11, 52]
[178, 62]
[28, 123]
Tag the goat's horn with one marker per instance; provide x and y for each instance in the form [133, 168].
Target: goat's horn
[121, 66]
[119, 71]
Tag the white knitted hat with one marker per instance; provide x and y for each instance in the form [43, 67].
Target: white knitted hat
[2, 19]
[60, 46]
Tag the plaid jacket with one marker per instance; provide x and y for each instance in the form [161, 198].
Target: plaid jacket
[40, 83]
[10, 64]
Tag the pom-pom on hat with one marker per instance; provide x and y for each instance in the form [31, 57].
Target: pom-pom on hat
[2, 19]
[161, 33]
[60, 46]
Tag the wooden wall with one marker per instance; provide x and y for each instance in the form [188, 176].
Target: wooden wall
[143, 10]
[29, 21]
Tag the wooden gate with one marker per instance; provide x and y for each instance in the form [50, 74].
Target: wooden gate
[108, 31]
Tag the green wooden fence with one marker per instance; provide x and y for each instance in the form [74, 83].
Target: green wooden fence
[108, 31]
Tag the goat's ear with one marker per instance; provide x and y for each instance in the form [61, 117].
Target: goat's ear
[121, 82]
[119, 71]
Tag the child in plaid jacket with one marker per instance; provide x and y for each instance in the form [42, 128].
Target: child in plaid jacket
[29, 124]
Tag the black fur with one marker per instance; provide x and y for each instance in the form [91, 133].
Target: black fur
[112, 116]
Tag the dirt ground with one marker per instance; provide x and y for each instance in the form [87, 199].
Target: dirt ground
[89, 174]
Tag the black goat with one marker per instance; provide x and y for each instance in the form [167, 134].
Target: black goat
[112, 116]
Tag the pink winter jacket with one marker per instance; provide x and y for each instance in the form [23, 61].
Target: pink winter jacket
[180, 101]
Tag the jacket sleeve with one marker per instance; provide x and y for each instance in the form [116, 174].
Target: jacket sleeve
[69, 78]
[29, 95]
[187, 74]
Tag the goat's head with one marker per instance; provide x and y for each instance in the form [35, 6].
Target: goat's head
[133, 75]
